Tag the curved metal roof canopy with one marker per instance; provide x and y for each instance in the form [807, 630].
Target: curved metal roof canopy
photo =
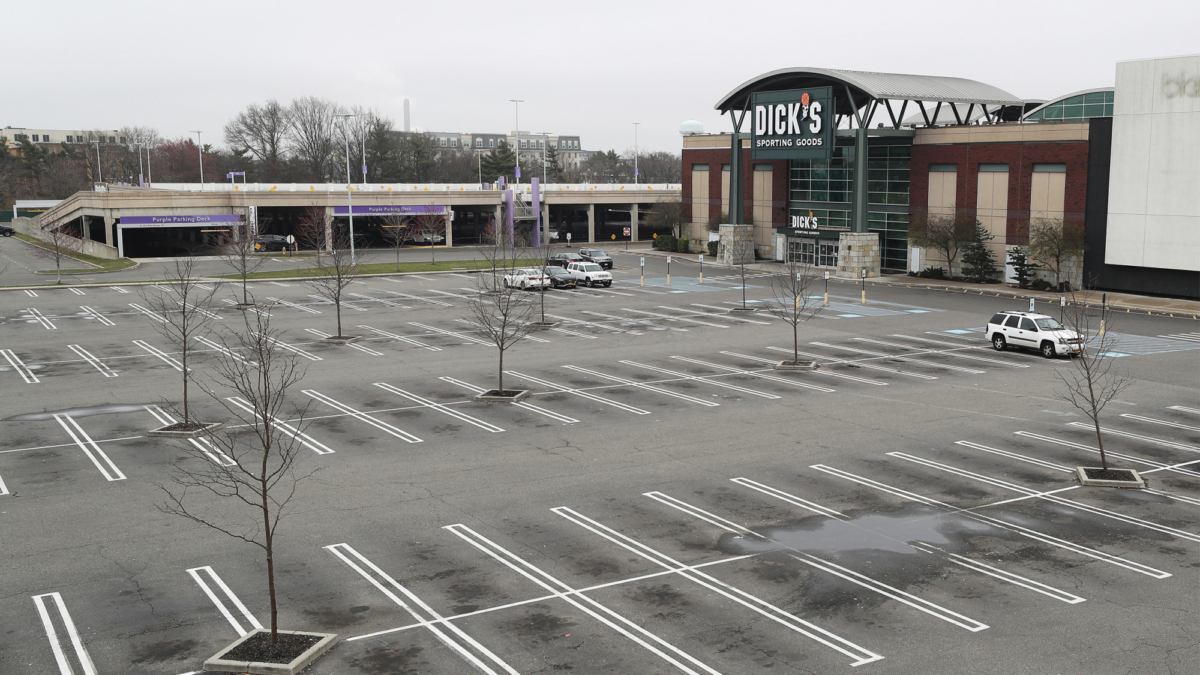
[865, 87]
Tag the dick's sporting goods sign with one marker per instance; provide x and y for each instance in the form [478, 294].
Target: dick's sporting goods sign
[793, 124]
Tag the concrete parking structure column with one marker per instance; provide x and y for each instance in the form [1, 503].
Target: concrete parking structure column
[449, 227]
[592, 223]
[633, 222]
[328, 229]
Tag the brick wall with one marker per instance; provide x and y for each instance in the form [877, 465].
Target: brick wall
[1020, 158]
[715, 158]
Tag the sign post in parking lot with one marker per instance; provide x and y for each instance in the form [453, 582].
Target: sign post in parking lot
[864, 288]
[1032, 305]
[643, 283]
[701, 268]
[668, 270]
[826, 288]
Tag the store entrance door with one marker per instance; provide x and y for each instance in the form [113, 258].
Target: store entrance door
[813, 252]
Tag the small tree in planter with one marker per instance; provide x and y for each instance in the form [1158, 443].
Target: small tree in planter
[238, 252]
[258, 473]
[546, 252]
[500, 314]
[1094, 380]
[1022, 269]
[791, 303]
[742, 273]
[397, 232]
[59, 242]
[429, 227]
[335, 272]
[979, 264]
[314, 229]
[181, 310]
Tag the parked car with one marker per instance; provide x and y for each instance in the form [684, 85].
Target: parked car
[597, 256]
[564, 259]
[428, 239]
[526, 278]
[559, 277]
[589, 273]
[270, 242]
[7, 231]
[1032, 331]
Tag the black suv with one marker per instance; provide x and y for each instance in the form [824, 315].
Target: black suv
[597, 256]
[270, 242]
[7, 231]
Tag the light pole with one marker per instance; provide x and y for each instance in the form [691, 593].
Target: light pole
[517, 144]
[349, 186]
[99, 172]
[635, 153]
[479, 160]
[200, 154]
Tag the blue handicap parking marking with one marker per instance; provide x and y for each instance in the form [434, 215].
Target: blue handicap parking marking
[849, 316]
[917, 311]
[959, 331]
[682, 285]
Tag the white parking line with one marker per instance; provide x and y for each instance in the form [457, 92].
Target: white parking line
[97, 315]
[881, 355]
[362, 348]
[580, 601]
[40, 318]
[773, 378]
[19, 366]
[420, 299]
[476, 326]
[1109, 453]
[1017, 456]
[676, 318]
[571, 332]
[1048, 497]
[96, 363]
[731, 317]
[1166, 423]
[401, 338]
[358, 414]
[857, 363]
[702, 378]
[448, 293]
[253, 622]
[1180, 408]
[996, 522]
[345, 303]
[204, 445]
[30, 293]
[155, 351]
[946, 352]
[205, 312]
[381, 580]
[565, 390]
[224, 350]
[445, 410]
[789, 498]
[119, 289]
[76, 291]
[1003, 575]
[81, 654]
[293, 305]
[85, 443]
[813, 561]
[442, 331]
[292, 348]
[641, 385]
[305, 440]
[152, 315]
[751, 602]
[520, 404]
[1136, 437]
[255, 310]
[278, 283]
[381, 301]
[588, 324]
[626, 319]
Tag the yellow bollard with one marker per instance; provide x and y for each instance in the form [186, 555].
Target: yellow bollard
[668, 278]
[1102, 326]
[643, 281]
[797, 302]
[864, 299]
[826, 299]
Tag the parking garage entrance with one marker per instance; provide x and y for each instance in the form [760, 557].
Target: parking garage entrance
[172, 235]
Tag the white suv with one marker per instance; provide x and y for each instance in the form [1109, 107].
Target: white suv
[589, 273]
[1032, 331]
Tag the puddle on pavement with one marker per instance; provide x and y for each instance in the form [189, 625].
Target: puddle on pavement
[871, 532]
[80, 412]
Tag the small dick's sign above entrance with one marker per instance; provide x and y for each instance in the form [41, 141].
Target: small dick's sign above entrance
[795, 124]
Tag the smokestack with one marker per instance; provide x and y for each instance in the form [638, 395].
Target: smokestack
[407, 128]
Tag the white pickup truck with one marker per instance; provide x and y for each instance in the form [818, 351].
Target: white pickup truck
[589, 273]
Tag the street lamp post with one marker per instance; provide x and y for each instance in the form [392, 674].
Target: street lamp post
[99, 171]
[200, 154]
[544, 147]
[635, 152]
[517, 143]
[349, 185]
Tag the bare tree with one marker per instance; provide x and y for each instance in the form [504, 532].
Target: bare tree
[1053, 242]
[429, 227]
[945, 233]
[181, 311]
[499, 313]
[397, 232]
[257, 469]
[1094, 378]
[311, 136]
[60, 241]
[668, 215]
[790, 301]
[238, 252]
[262, 131]
[315, 229]
[335, 272]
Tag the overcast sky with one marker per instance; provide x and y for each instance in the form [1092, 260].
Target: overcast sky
[586, 68]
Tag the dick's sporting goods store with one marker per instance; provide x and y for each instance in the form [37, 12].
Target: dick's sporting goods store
[836, 166]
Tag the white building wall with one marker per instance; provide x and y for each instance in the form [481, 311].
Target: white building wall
[1154, 204]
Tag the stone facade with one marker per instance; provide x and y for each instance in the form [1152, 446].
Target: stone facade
[857, 251]
[737, 245]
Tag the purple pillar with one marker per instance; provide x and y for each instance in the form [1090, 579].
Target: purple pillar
[537, 209]
[508, 217]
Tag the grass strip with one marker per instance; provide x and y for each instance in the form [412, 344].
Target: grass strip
[386, 268]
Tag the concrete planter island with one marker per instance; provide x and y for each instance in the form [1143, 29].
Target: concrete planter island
[220, 664]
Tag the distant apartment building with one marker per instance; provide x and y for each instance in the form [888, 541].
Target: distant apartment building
[530, 144]
[51, 138]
